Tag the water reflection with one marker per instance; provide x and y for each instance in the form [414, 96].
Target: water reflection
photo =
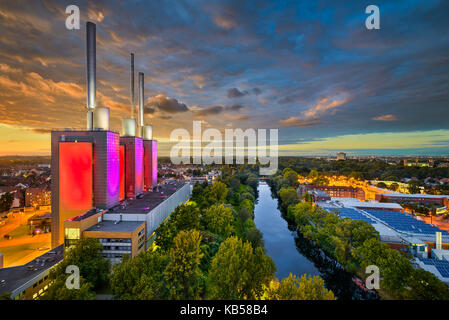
[294, 254]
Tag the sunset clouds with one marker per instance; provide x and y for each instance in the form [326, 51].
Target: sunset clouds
[309, 68]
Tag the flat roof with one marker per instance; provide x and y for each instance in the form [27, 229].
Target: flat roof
[85, 215]
[430, 196]
[320, 193]
[148, 200]
[112, 226]
[352, 202]
[15, 277]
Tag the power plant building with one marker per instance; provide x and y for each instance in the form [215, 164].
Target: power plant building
[106, 182]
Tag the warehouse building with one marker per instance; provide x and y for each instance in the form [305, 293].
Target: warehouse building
[333, 191]
[31, 280]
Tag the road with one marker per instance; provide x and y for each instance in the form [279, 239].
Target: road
[23, 247]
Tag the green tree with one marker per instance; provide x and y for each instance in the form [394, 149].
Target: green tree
[218, 192]
[183, 272]
[141, 278]
[244, 214]
[356, 175]
[394, 186]
[307, 197]
[382, 185]
[218, 219]
[313, 174]
[292, 177]
[188, 217]
[425, 286]
[86, 255]
[288, 197]
[239, 272]
[165, 234]
[59, 291]
[234, 183]
[253, 182]
[305, 288]
[413, 187]
[254, 236]
[6, 201]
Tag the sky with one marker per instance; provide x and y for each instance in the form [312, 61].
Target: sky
[308, 68]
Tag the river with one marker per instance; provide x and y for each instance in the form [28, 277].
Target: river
[293, 254]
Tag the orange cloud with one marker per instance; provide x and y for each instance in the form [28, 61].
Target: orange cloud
[325, 104]
[225, 22]
[387, 117]
[296, 122]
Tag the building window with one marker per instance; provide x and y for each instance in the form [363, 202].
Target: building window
[72, 233]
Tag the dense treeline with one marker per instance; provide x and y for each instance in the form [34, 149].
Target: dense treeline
[363, 169]
[210, 248]
[356, 245]
[93, 271]
[7, 161]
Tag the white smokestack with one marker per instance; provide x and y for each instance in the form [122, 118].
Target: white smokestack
[132, 85]
[91, 72]
[141, 103]
[438, 241]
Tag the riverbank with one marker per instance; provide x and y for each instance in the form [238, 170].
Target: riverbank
[356, 245]
[295, 254]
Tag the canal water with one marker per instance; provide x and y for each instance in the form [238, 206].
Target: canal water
[293, 254]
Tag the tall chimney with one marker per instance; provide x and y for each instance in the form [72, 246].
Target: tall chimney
[91, 72]
[141, 104]
[132, 86]
[438, 241]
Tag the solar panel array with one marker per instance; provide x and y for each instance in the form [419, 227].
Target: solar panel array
[441, 265]
[403, 222]
[353, 214]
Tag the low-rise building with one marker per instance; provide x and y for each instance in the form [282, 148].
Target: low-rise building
[333, 191]
[127, 228]
[31, 280]
[421, 199]
[37, 197]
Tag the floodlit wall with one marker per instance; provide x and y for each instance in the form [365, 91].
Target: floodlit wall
[75, 180]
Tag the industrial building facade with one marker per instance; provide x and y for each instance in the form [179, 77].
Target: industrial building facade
[421, 199]
[333, 191]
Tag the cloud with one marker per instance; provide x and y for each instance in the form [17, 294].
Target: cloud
[217, 109]
[236, 93]
[166, 104]
[211, 110]
[325, 104]
[257, 91]
[237, 117]
[281, 58]
[287, 99]
[235, 107]
[42, 131]
[225, 22]
[387, 117]
[296, 122]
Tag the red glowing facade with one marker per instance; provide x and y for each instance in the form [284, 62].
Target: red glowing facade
[149, 164]
[122, 172]
[75, 178]
[133, 165]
